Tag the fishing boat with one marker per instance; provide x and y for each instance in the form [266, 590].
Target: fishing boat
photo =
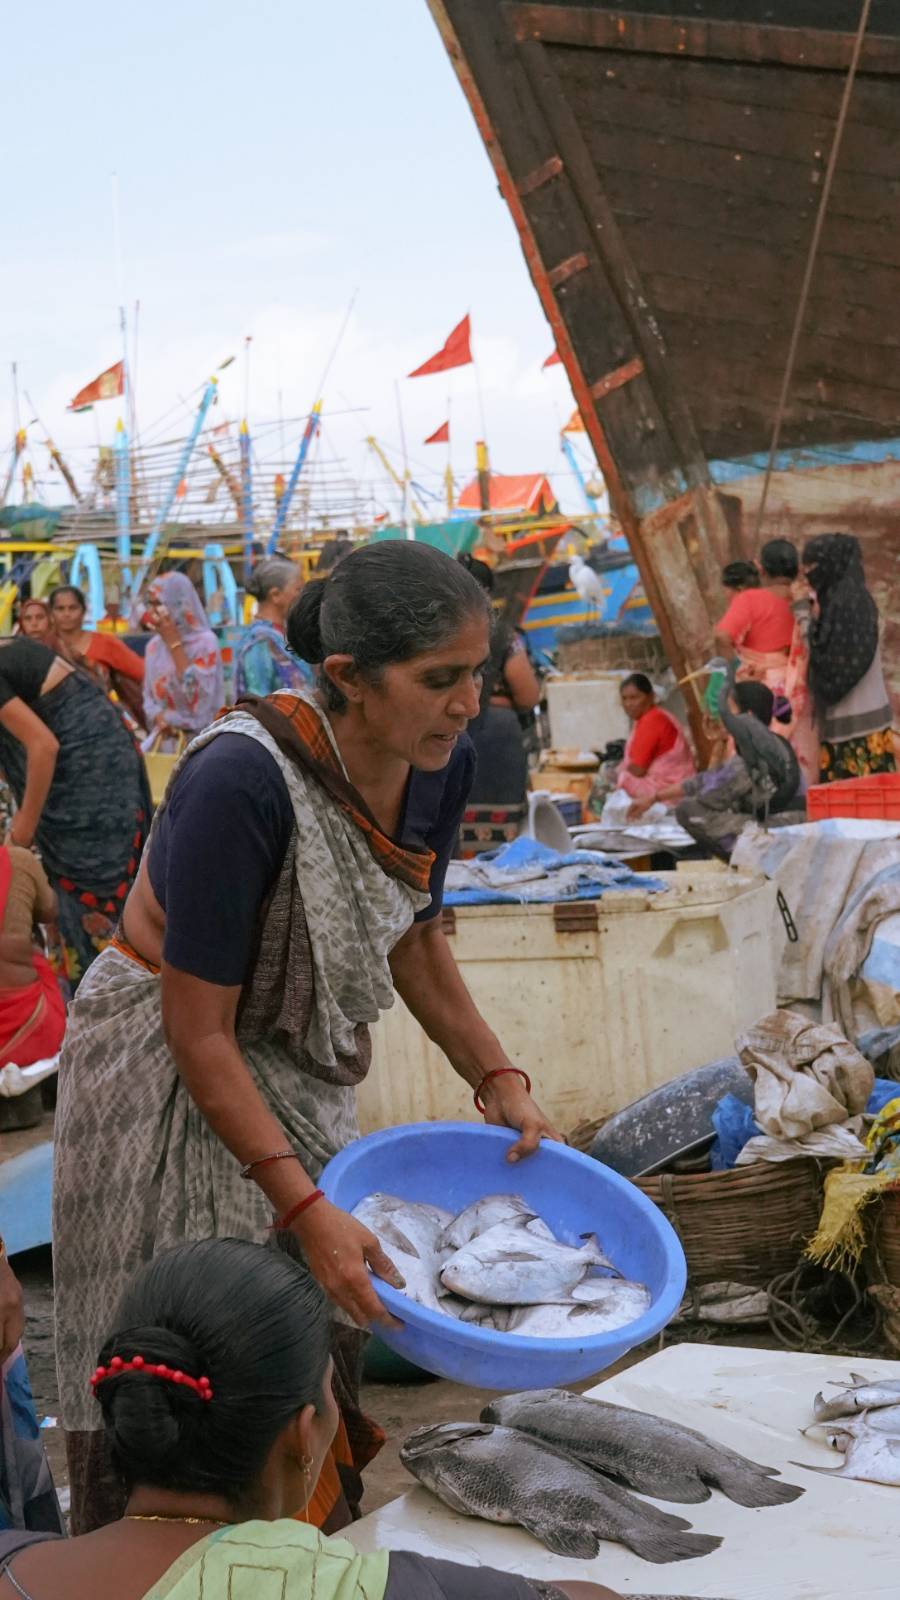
[706, 196]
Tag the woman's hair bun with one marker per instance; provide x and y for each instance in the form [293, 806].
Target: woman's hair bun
[304, 622]
[146, 1415]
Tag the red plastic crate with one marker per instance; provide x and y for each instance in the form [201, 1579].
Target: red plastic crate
[876, 799]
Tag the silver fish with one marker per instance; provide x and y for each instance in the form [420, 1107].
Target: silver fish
[503, 1476]
[598, 1305]
[885, 1420]
[488, 1213]
[862, 1394]
[510, 1266]
[872, 1457]
[410, 1232]
[647, 1453]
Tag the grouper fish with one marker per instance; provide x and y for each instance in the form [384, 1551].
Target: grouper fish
[504, 1476]
[646, 1453]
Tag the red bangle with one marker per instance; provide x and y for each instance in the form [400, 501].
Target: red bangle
[266, 1161]
[280, 1223]
[498, 1072]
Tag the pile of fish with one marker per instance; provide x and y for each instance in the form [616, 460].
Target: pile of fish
[561, 1466]
[862, 1421]
[497, 1264]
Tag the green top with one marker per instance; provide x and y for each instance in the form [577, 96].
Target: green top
[283, 1560]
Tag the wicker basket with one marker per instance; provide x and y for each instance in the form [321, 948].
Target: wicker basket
[748, 1225]
[884, 1262]
[620, 652]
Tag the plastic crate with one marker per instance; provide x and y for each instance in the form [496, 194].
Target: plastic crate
[876, 799]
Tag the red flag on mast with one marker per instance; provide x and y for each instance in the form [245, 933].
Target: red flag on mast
[552, 361]
[109, 384]
[441, 435]
[456, 352]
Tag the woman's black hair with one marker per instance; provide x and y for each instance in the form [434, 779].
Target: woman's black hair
[740, 575]
[639, 681]
[779, 559]
[383, 603]
[247, 1317]
[480, 571]
[68, 588]
[756, 698]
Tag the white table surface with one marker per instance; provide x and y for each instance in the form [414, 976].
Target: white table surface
[839, 1541]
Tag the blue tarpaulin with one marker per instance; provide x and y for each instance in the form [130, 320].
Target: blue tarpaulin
[526, 872]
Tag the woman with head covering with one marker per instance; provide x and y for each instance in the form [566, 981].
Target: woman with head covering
[184, 687]
[214, 1390]
[263, 662]
[845, 672]
[293, 882]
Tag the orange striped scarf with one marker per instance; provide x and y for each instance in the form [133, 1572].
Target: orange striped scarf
[298, 730]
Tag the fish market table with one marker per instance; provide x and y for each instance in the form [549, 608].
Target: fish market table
[838, 1540]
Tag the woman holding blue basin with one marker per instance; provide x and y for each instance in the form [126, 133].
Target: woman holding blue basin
[293, 881]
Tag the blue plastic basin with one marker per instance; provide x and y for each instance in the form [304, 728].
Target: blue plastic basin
[450, 1164]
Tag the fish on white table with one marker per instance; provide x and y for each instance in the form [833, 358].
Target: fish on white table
[501, 1475]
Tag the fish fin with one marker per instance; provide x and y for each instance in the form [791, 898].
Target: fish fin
[827, 1472]
[655, 1544]
[389, 1233]
[563, 1538]
[753, 1489]
[858, 1377]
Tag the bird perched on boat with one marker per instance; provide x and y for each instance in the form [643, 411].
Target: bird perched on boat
[588, 582]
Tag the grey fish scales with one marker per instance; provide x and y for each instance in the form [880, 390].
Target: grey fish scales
[647, 1453]
[503, 1476]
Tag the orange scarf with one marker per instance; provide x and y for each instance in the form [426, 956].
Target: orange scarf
[298, 730]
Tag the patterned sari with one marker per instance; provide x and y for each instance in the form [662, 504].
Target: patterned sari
[138, 1168]
[186, 702]
[95, 818]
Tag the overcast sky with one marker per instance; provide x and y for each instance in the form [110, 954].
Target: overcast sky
[271, 160]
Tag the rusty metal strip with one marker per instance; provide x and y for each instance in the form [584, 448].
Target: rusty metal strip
[567, 269]
[616, 378]
[577, 916]
[540, 176]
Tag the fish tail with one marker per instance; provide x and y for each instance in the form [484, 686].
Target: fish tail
[753, 1489]
[827, 1472]
[654, 1544]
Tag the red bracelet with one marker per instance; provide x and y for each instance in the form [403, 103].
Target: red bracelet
[498, 1072]
[280, 1223]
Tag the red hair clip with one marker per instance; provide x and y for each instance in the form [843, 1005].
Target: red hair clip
[153, 1369]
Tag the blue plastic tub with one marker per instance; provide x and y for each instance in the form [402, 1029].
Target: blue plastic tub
[450, 1164]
